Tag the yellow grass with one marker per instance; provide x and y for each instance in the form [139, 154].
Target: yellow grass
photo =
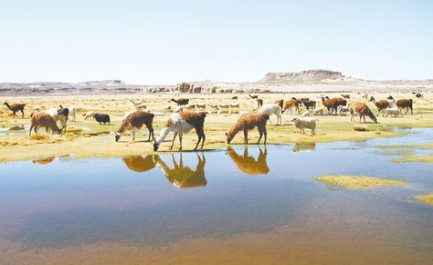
[358, 182]
[89, 139]
[427, 199]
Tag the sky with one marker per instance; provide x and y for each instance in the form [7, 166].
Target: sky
[168, 41]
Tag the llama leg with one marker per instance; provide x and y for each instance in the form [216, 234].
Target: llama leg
[22, 113]
[180, 140]
[260, 136]
[266, 134]
[245, 136]
[172, 141]
[133, 135]
[30, 132]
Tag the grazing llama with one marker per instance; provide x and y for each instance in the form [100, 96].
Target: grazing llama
[362, 110]
[179, 123]
[42, 119]
[134, 122]
[247, 122]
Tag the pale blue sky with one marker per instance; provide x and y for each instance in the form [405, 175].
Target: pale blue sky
[150, 42]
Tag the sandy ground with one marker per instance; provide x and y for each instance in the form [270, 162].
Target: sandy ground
[89, 139]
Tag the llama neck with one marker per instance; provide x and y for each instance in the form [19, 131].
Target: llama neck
[163, 134]
[7, 105]
[124, 126]
[233, 131]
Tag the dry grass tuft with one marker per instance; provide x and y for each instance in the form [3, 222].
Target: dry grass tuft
[358, 182]
[39, 137]
[360, 128]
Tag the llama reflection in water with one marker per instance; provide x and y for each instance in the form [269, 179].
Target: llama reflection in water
[182, 176]
[139, 163]
[247, 163]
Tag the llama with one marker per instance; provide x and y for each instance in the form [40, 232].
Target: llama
[180, 101]
[362, 109]
[179, 123]
[61, 114]
[346, 96]
[248, 164]
[72, 113]
[289, 104]
[309, 104]
[247, 122]
[134, 122]
[259, 102]
[279, 102]
[381, 104]
[402, 104]
[138, 105]
[394, 112]
[89, 114]
[42, 119]
[181, 176]
[253, 96]
[333, 104]
[15, 107]
[272, 109]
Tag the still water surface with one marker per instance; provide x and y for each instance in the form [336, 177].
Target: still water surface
[240, 205]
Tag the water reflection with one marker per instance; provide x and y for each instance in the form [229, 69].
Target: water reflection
[44, 161]
[139, 163]
[183, 176]
[299, 147]
[248, 164]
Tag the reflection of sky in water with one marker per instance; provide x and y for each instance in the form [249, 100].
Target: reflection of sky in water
[138, 200]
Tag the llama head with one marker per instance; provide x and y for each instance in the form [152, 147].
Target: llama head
[229, 139]
[117, 136]
[155, 146]
[371, 99]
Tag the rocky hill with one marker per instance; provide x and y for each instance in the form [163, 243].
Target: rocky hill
[307, 76]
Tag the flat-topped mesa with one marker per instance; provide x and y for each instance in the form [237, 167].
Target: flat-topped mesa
[303, 76]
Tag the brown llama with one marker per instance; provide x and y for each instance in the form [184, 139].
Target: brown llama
[183, 176]
[247, 122]
[134, 122]
[42, 119]
[362, 109]
[253, 96]
[289, 104]
[332, 104]
[183, 121]
[249, 164]
[405, 104]
[181, 101]
[15, 107]
[381, 104]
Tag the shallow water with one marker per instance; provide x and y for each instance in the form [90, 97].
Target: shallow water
[245, 204]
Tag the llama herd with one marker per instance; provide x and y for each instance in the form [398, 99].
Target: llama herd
[184, 120]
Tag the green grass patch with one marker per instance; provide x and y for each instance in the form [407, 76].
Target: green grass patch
[427, 199]
[358, 182]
